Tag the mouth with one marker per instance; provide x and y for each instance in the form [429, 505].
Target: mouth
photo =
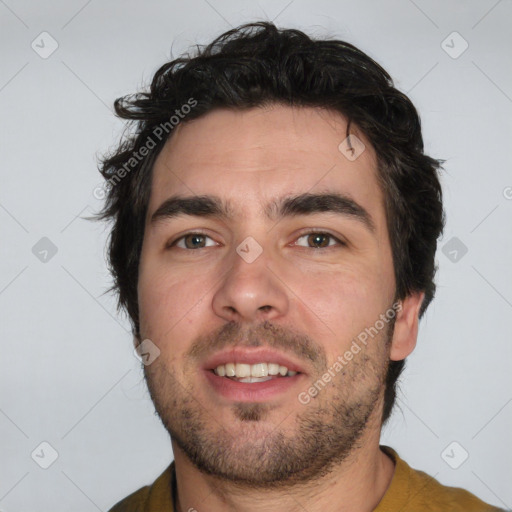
[251, 376]
[252, 373]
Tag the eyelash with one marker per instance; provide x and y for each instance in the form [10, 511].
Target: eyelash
[305, 233]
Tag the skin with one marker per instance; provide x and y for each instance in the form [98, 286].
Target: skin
[306, 301]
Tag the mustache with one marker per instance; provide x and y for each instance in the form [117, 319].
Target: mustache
[233, 334]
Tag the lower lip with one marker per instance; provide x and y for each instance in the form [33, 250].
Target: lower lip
[247, 392]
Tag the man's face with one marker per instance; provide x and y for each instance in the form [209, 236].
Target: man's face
[257, 287]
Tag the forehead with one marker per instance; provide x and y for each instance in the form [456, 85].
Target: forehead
[254, 156]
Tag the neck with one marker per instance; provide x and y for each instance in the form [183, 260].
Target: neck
[356, 485]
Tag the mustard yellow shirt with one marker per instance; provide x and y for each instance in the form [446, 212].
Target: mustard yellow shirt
[410, 491]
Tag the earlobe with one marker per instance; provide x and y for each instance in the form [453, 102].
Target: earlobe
[406, 326]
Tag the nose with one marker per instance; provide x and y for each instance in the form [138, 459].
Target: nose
[251, 292]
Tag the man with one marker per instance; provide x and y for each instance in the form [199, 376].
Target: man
[275, 227]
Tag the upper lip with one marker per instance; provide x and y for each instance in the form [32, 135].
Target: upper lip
[251, 356]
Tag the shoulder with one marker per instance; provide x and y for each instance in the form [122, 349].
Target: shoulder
[430, 492]
[420, 492]
[151, 498]
[133, 503]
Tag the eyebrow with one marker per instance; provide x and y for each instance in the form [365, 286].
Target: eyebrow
[287, 206]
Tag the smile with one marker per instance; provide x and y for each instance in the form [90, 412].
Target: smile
[259, 372]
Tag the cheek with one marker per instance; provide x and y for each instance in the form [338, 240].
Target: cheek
[169, 306]
[336, 306]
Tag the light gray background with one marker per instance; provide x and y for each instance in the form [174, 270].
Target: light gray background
[68, 375]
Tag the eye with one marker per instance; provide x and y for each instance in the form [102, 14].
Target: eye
[320, 239]
[191, 241]
[196, 240]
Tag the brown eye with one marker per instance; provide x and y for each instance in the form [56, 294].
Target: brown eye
[319, 240]
[192, 241]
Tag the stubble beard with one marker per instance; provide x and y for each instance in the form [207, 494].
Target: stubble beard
[252, 451]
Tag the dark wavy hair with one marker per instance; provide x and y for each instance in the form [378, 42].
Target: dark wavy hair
[258, 64]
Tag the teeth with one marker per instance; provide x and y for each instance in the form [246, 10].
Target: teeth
[273, 369]
[242, 370]
[230, 369]
[255, 379]
[257, 372]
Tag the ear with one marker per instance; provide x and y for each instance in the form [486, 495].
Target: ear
[406, 326]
